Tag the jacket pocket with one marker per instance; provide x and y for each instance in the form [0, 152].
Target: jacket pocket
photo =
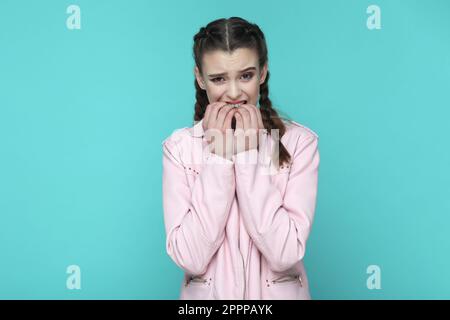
[198, 280]
[287, 287]
[287, 280]
[196, 288]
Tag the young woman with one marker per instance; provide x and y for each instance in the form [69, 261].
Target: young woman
[238, 226]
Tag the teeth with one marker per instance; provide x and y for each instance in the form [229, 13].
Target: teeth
[235, 105]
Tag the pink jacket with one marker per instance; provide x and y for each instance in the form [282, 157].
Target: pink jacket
[237, 231]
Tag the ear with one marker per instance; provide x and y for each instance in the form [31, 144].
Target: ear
[199, 78]
[263, 74]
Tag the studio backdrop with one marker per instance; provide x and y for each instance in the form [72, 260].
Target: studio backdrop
[90, 89]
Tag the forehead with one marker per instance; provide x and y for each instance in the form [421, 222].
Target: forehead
[219, 61]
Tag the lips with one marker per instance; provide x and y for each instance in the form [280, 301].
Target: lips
[237, 103]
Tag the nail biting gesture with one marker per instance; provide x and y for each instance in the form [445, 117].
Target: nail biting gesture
[248, 124]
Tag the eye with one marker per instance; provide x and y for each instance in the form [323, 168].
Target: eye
[247, 76]
[217, 79]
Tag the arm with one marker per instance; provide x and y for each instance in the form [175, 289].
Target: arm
[195, 218]
[279, 226]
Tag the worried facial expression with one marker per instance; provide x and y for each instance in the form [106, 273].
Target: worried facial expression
[231, 77]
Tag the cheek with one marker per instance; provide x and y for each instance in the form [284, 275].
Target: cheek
[214, 93]
[252, 90]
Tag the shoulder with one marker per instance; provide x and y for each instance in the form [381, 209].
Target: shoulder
[297, 137]
[185, 144]
[301, 142]
[295, 130]
[176, 137]
[172, 144]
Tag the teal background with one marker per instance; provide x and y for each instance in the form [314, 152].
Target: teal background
[83, 114]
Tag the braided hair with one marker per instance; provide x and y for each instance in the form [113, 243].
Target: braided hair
[228, 35]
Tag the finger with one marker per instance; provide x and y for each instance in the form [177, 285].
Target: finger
[214, 112]
[239, 133]
[207, 120]
[253, 117]
[239, 120]
[246, 121]
[229, 119]
[223, 112]
[208, 113]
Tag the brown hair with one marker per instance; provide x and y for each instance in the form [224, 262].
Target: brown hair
[228, 35]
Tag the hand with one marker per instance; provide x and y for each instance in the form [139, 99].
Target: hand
[217, 128]
[248, 125]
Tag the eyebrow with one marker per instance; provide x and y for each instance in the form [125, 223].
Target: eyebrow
[224, 73]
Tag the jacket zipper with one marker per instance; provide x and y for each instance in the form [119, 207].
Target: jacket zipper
[196, 280]
[289, 278]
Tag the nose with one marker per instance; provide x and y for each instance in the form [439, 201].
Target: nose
[234, 91]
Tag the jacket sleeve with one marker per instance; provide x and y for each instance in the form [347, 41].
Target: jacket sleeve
[279, 226]
[195, 218]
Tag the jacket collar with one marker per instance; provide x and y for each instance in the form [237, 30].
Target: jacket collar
[197, 130]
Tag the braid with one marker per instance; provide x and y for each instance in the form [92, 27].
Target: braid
[271, 119]
[201, 102]
[228, 35]
[200, 95]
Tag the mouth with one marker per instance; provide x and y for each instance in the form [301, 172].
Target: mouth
[237, 103]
